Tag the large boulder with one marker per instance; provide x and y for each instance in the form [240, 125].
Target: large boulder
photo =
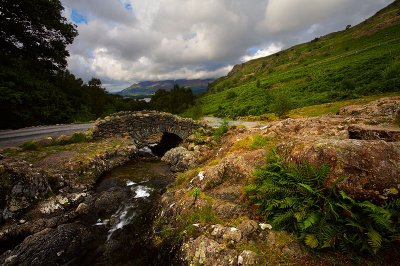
[232, 169]
[369, 169]
[55, 246]
[20, 186]
[181, 159]
[205, 251]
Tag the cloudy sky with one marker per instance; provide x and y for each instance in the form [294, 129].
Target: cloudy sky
[126, 41]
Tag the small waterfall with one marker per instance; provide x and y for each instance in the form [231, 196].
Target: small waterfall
[124, 216]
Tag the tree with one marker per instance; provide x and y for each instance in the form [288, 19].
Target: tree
[281, 104]
[94, 83]
[175, 101]
[33, 41]
[160, 100]
[35, 30]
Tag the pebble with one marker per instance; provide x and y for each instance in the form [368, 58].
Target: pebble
[265, 226]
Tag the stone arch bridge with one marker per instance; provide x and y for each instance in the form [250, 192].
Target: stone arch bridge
[143, 125]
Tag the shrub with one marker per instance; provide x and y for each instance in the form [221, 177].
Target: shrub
[197, 112]
[294, 198]
[281, 105]
[30, 146]
[75, 138]
[221, 130]
[230, 95]
[348, 85]
[392, 71]
[78, 137]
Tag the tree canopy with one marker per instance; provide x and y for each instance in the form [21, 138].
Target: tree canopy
[35, 87]
[174, 101]
[36, 31]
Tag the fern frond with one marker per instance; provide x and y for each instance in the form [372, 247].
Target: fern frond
[331, 209]
[346, 197]
[311, 241]
[374, 240]
[356, 225]
[379, 215]
[283, 220]
[347, 209]
[328, 235]
[311, 220]
[300, 215]
[308, 188]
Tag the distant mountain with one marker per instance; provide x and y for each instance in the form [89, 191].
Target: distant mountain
[147, 88]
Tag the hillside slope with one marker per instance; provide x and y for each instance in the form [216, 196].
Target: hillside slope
[358, 61]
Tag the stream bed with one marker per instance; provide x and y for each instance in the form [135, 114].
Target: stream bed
[122, 229]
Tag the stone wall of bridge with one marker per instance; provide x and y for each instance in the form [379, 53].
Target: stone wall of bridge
[143, 124]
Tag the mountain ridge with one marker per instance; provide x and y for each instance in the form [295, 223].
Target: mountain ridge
[148, 88]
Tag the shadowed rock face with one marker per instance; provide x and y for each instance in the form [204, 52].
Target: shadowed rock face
[168, 141]
[140, 125]
[56, 246]
[374, 133]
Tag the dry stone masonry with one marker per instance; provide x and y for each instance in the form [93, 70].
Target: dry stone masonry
[141, 125]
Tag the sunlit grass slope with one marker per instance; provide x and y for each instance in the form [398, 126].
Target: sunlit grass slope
[360, 61]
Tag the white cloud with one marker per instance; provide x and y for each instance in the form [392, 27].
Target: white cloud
[132, 40]
[266, 51]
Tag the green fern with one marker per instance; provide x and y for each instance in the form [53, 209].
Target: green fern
[294, 198]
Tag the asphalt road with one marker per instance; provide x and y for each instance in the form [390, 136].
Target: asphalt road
[10, 138]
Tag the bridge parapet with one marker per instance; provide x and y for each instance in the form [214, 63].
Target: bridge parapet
[140, 125]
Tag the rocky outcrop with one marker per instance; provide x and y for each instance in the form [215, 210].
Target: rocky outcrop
[180, 159]
[382, 111]
[363, 169]
[212, 249]
[232, 169]
[55, 246]
[21, 185]
[364, 132]
[219, 189]
[205, 251]
[360, 145]
[363, 158]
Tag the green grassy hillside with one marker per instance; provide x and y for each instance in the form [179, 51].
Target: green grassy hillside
[362, 60]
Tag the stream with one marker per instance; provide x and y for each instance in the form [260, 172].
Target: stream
[123, 234]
